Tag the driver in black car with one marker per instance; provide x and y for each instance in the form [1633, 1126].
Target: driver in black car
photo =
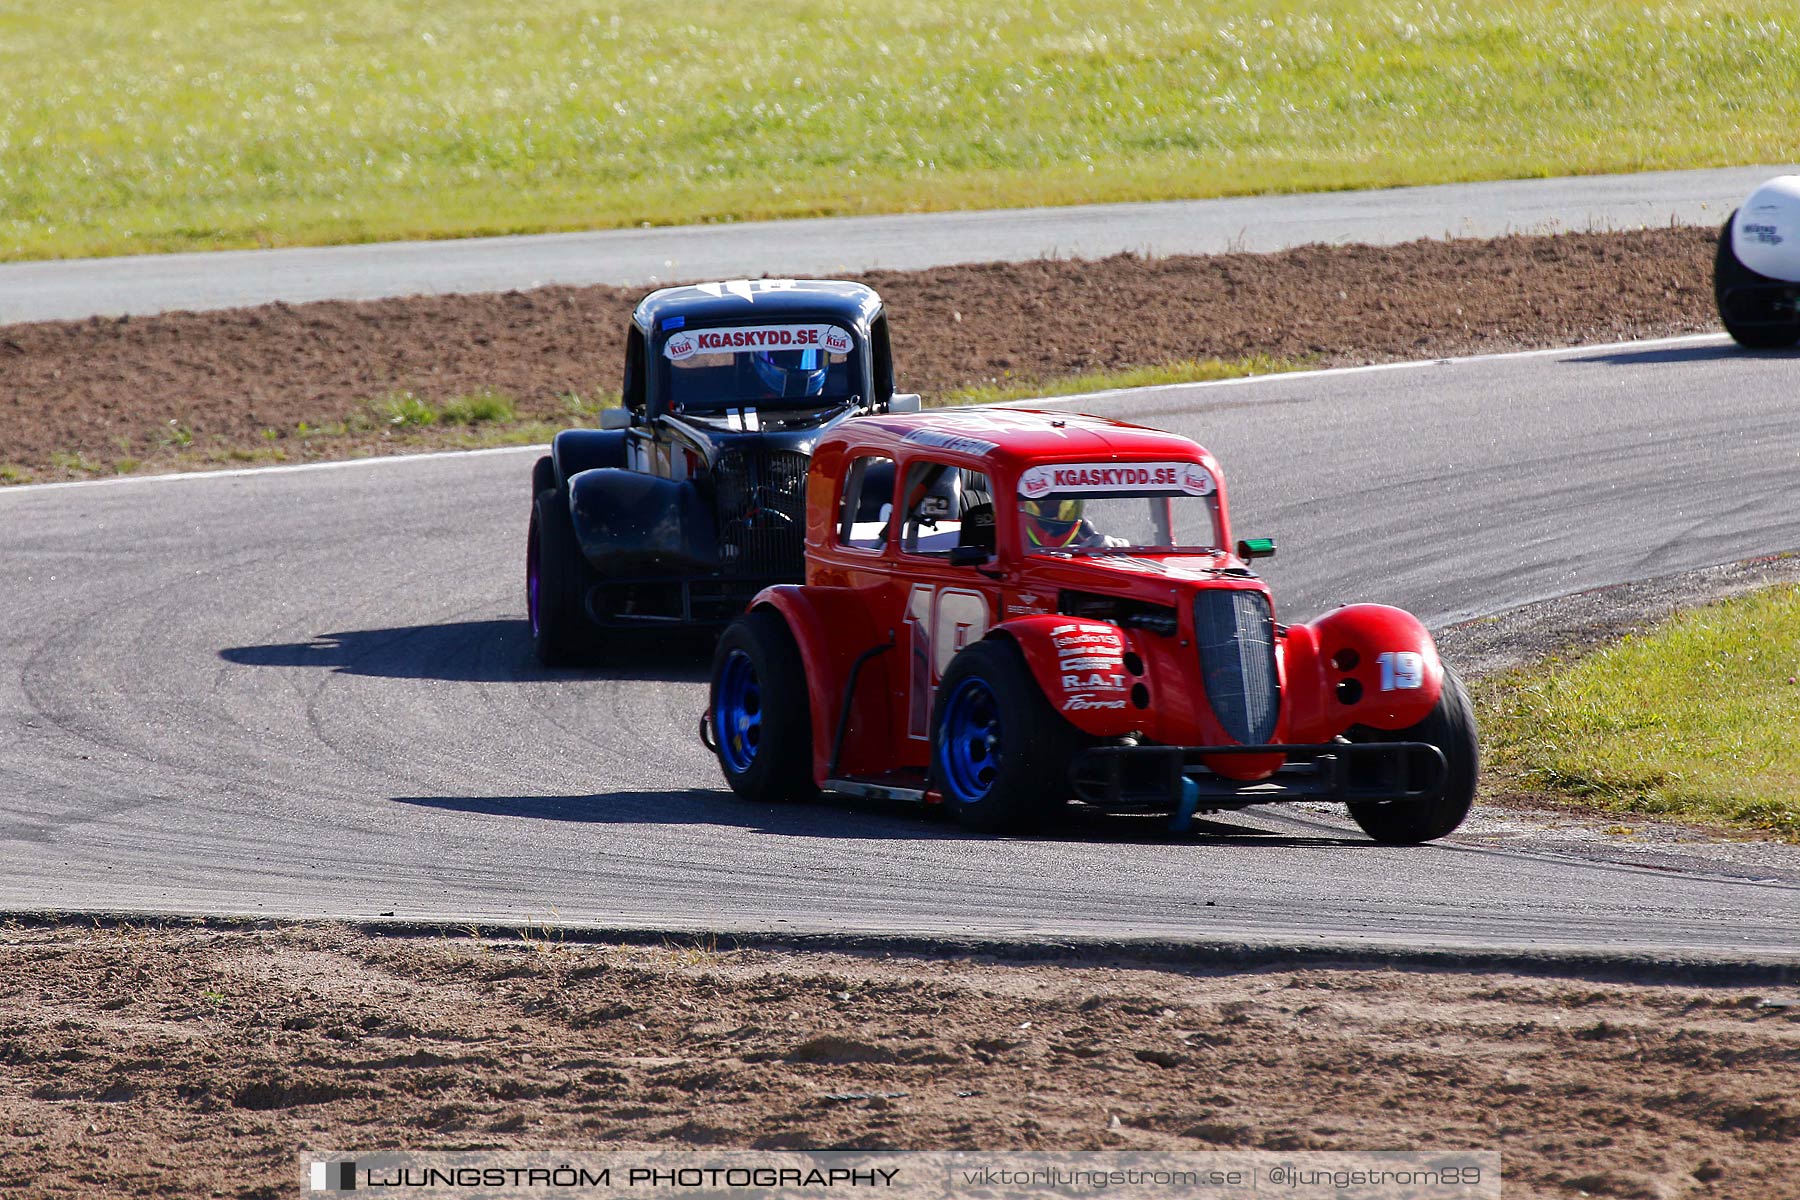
[791, 374]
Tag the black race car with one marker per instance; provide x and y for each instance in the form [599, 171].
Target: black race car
[692, 497]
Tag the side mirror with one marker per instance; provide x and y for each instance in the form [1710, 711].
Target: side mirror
[1250, 548]
[969, 556]
[615, 418]
[904, 402]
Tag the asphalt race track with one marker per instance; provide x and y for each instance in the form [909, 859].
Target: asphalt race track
[310, 693]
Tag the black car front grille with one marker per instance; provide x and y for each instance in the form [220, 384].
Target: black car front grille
[760, 498]
[703, 601]
[1235, 630]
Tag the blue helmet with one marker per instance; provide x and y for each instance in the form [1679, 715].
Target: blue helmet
[791, 373]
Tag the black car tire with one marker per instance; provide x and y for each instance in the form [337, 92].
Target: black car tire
[561, 634]
[1729, 273]
[779, 766]
[1030, 784]
[1450, 726]
[543, 476]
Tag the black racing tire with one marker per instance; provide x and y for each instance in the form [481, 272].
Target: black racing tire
[543, 476]
[760, 710]
[1728, 273]
[1000, 754]
[557, 578]
[1450, 726]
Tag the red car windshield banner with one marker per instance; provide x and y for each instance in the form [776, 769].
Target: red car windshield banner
[690, 342]
[1114, 479]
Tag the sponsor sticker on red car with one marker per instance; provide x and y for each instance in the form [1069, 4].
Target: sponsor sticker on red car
[960, 442]
[1091, 665]
[1116, 478]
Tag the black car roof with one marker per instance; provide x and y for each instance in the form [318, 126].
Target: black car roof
[760, 300]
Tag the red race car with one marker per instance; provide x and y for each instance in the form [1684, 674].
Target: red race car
[1006, 609]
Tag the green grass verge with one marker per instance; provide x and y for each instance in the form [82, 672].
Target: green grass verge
[483, 418]
[486, 407]
[1193, 370]
[1698, 719]
[200, 123]
[405, 421]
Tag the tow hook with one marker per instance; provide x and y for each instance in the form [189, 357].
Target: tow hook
[706, 731]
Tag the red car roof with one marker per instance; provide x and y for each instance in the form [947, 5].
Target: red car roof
[1020, 437]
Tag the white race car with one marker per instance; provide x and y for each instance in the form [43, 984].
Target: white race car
[1756, 275]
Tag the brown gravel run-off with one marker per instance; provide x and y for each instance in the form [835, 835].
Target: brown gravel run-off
[109, 389]
[180, 1062]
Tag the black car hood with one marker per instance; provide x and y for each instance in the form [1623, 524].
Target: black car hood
[772, 429]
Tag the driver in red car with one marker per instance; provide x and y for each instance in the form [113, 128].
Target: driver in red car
[1059, 525]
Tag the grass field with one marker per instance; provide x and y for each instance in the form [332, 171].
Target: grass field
[1698, 719]
[201, 123]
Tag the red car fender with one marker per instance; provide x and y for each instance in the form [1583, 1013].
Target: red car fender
[1364, 664]
[1080, 666]
[831, 628]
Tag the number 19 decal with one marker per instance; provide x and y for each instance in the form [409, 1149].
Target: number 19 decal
[1402, 671]
[940, 622]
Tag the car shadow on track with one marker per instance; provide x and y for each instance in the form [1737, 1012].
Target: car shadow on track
[840, 818]
[1676, 354]
[497, 651]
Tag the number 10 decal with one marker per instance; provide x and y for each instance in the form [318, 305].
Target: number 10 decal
[1401, 671]
[939, 622]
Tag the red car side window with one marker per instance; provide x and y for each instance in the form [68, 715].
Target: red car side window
[946, 507]
[868, 503]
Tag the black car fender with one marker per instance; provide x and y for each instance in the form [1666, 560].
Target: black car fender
[630, 524]
[576, 450]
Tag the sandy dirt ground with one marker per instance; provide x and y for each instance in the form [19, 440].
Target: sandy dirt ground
[189, 389]
[194, 1062]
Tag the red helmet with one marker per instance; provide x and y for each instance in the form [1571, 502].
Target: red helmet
[1052, 524]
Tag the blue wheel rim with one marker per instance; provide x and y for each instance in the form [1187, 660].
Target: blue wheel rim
[970, 735]
[737, 713]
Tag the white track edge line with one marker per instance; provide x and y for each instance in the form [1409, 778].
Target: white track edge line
[1367, 368]
[1105, 394]
[335, 464]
